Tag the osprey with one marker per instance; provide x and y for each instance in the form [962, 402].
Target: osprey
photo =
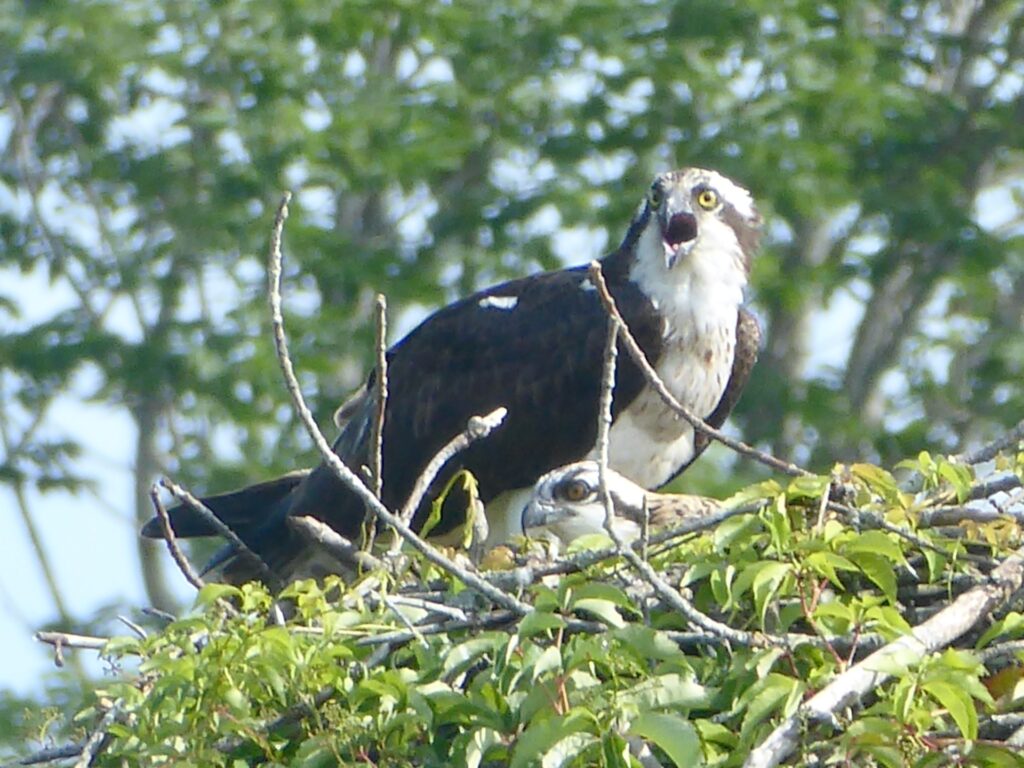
[567, 504]
[535, 346]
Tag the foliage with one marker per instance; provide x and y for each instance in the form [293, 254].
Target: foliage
[438, 147]
[368, 673]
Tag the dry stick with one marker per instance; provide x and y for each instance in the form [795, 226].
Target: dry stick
[343, 473]
[177, 555]
[478, 427]
[48, 755]
[659, 386]
[937, 632]
[94, 743]
[380, 402]
[989, 450]
[336, 545]
[664, 590]
[62, 640]
[218, 525]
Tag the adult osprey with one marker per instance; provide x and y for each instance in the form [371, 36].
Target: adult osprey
[567, 504]
[534, 345]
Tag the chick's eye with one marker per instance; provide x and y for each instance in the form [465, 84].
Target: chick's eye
[707, 199]
[575, 490]
[655, 196]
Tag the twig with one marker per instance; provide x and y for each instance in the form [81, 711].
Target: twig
[177, 555]
[94, 743]
[183, 496]
[604, 425]
[477, 428]
[664, 590]
[156, 613]
[403, 619]
[937, 632]
[336, 465]
[380, 401]
[669, 399]
[48, 755]
[336, 545]
[989, 450]
[133, 627]
[68, 640]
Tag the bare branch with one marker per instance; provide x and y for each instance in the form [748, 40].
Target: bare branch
[48, 755]
[937, 632]
[477, 428]
[69, 640]
[330, 458]
[380, 402]
[664, 590]
[178, 556]
[983, 453]
[94, 743]
[336, 545]
[669, 399]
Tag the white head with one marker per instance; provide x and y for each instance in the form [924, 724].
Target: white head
[567, 503]
[696, 227]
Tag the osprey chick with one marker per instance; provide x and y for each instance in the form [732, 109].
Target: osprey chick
[567, 503]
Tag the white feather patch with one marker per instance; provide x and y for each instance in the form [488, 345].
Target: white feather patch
[498, 302]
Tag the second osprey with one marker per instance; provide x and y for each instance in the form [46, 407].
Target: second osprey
[535, 346]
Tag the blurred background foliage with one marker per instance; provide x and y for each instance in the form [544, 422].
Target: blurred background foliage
[436, 148]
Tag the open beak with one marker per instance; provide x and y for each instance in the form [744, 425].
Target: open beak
[678, 234]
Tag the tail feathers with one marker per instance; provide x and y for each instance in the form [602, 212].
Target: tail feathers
[243, 511]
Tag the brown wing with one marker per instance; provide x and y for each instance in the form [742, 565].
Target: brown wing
[667, 510]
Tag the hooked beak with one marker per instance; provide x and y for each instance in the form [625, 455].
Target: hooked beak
[678, 234]
[537, 514]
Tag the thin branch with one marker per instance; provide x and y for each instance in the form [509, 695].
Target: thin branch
[664, 590]
[69, 640]
[380, 402]
[48, 755]
[178, 556]
[94, 743]
[330, 458]
[477, 428]
[336, 545]
[133, 627]
[669, 399]
[243, 549]
[604, 425]
[937, 632]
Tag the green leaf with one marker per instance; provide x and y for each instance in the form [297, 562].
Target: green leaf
[959, 704]
[827, 563]
[550, 660]
[212, 592]
[662, 691]
[536, 622]
[541, 735]
[878, 480]
[605, 610]
[1009, 627]
[879, 569]
[672, 734]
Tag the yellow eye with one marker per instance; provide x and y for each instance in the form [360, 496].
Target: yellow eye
[655, 196]
[707, 199]
[575, 490]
